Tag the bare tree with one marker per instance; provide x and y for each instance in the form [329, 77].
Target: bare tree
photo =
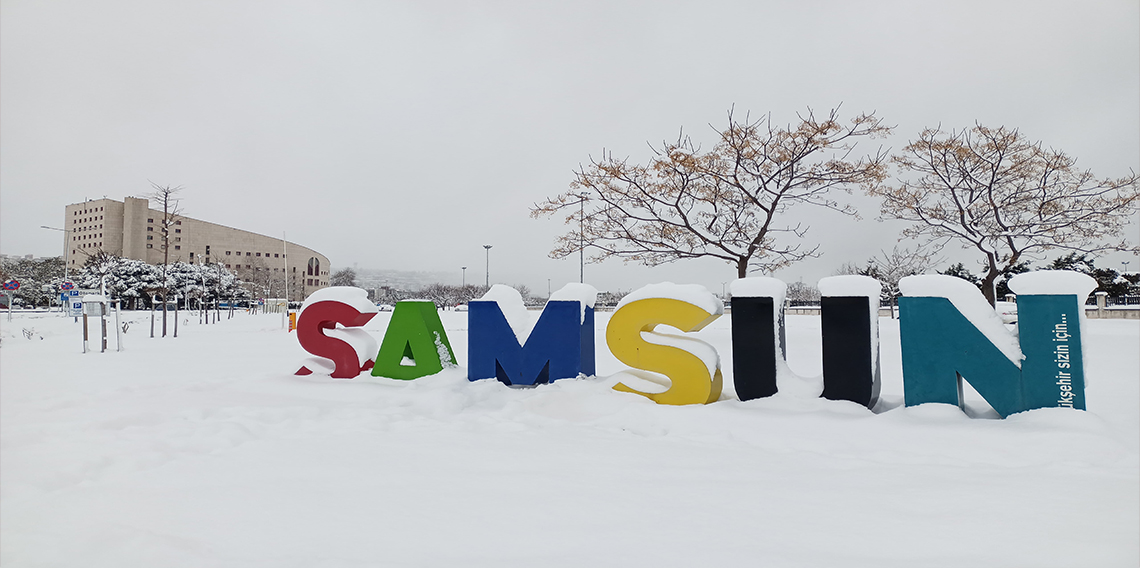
[849, 268]
[994, 190]
[800, 294]
[890, 267]
[164, 196]
[724, 203]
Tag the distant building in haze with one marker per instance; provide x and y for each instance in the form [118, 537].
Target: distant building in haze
[131, 229]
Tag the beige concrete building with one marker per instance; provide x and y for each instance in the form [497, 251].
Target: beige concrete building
[131, 229]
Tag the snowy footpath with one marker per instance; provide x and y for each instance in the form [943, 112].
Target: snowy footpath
[206, 451]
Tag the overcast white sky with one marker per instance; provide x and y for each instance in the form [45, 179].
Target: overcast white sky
[406, 135]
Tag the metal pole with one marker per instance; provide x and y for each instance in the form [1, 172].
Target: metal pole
[464, 275]
[176, 315]
[118, 328]
[84, 329]
[488, 269]
[66, 246]
[581, 239]
[285, 255]
[103, 326]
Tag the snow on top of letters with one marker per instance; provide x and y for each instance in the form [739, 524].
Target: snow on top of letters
[759, 287]
[691, 345]
[850, 285]
[351, 295]
[1053, 282]
[970, 303]
[691, 293]
[585, 294]
[513, 308]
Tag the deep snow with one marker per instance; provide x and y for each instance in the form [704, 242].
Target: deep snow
[206, 451]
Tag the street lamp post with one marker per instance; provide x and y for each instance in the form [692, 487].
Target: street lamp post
[581, 238]
[464, 269]
[66, 245]
[1125, 263]
[488, 269]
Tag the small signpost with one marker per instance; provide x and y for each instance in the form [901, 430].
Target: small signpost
[9, 287]
[74, 303]
[65, 288]
[97, 305]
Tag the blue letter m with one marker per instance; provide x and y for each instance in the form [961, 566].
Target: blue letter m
[560, 346]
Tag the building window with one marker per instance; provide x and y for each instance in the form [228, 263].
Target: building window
[248, 253]
[227, 253]
[150, 220]
[148, 245]
[314, 268]
[177, 230]
[275, 255]
[150, 228]
[258, 254]
[227, 266]
[177, 247]
[177, 239]
[150, 237]
[178, 222]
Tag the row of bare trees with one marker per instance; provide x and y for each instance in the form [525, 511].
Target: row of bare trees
[990, 189]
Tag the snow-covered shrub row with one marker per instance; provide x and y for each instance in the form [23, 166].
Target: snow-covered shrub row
[134, 280]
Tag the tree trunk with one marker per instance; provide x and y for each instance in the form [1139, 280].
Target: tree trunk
[988, 288]
[742, 268]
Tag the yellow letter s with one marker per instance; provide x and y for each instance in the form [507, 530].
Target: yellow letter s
[693, 380]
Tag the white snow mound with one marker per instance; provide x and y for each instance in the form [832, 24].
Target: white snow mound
[759, 287]
[691, 293]
[850, 285]
[970, 303]
[1053, 282]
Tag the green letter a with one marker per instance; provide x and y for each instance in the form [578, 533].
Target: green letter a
[415, 344]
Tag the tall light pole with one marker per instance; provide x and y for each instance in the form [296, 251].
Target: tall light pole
[488, 271]
[581, 238]
[464, 268]
[66, 245]
[1125, 263]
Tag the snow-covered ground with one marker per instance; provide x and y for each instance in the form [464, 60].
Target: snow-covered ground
[206, 450]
